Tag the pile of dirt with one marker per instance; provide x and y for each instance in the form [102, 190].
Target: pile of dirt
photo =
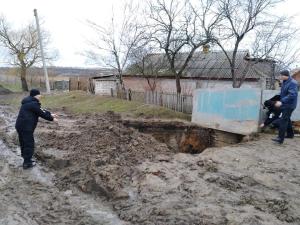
[96, 152]
[148, 183]
[29, 197]
[4, 91]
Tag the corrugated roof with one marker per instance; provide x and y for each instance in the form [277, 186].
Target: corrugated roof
[216, 65]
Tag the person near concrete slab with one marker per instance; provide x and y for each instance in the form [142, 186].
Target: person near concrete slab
[26, 123]
[273, 114]
[287, 104]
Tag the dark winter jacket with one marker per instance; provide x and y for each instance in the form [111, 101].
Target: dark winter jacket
[273, 112]
[29, 114]
[289, 94]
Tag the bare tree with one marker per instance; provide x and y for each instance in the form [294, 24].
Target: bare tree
[147, 63]
[277, 40]
[115, 43]
[243, 22]
[22, 47]
[180, 29]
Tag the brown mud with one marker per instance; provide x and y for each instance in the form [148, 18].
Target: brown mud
[30, 197]
[147, 182]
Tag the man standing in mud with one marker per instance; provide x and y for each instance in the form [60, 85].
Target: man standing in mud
[287, 104]
[26, 123]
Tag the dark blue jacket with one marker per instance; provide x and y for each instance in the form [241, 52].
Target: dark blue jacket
[29, 114]
[289, 93]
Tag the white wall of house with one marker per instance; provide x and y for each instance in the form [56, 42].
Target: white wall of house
[226, 84]
[103, 87]
[187, 85]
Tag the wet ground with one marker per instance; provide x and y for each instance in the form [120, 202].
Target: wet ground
[31, 197]
[93, 170]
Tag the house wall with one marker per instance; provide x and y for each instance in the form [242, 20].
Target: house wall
[187, 85]
[103, 87]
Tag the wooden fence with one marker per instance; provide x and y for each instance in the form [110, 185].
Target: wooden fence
[79, 83]
[178, 102]
[35, 82]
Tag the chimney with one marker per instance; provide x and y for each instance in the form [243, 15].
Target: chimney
[206, 48]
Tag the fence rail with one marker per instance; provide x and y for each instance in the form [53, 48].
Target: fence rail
[35, 82]
[178, 102]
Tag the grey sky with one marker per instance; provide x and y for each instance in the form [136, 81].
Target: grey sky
[65, 20]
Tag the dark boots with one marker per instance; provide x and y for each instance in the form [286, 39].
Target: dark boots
[29, 164]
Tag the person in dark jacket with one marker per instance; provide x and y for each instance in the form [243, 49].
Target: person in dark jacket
[273, 113]
[26, 123]
[287, 104]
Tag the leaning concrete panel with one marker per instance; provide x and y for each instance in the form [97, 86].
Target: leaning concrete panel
[231, 110]
[267, 94]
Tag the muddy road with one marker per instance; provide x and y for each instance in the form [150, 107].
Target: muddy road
[31, 198]
[94, 170]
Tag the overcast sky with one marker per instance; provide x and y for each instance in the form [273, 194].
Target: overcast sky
[65, 20]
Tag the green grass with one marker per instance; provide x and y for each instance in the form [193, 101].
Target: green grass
[11, 86]
[80, 102]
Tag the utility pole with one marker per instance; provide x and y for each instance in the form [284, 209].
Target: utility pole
[42, 51]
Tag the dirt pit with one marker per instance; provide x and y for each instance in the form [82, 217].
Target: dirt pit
[99, 152]
[184, 137]
[147, 182]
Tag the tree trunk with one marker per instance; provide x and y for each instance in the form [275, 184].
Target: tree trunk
[178, 86]
[23, 79]
[235, 84]
[234, 78]
[244, 73]
[152, 85]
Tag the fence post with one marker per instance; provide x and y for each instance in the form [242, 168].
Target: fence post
[129, 94]
[112, 92]
[78, 83]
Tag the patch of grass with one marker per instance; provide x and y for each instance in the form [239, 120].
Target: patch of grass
[11, 99]
[11, 86]
[80, 102]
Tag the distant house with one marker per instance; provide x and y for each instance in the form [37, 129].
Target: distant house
[85, 79]
[208, 70]
[104, 84]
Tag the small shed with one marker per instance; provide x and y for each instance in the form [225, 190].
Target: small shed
[104, 84]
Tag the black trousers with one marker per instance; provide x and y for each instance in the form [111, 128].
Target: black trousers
[285, 124]
[26, 140]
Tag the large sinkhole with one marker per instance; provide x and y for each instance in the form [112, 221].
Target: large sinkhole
[185, 137]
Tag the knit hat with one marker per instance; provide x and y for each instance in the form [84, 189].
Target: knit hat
[34, 92]
[285, 73]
